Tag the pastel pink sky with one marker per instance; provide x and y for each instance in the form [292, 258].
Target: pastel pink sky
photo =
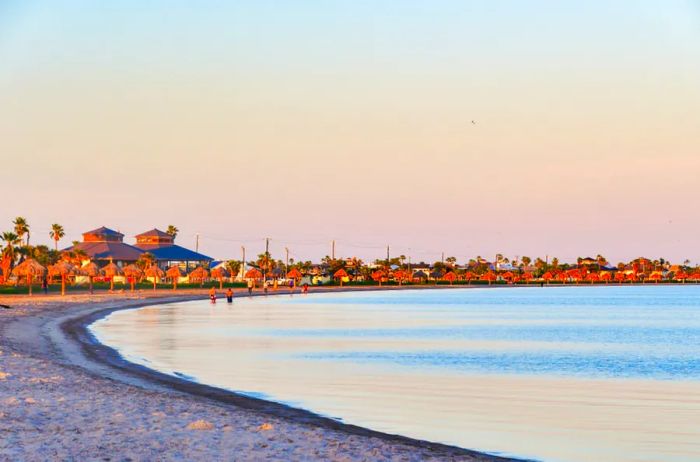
[353, 121]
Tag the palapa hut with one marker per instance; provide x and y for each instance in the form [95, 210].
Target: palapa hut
[400, 276]
[91, 270]
[340, 274]
[254, 274]
[295, 275]
[65, 270]
[219, 273]
[198, 274]
[156, 273]
[132, 273]
[174, 273]
[420, 276]
[110, 271]
[450, 277]
[29, 268]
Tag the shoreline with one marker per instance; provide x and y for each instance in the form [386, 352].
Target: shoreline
[63, 338]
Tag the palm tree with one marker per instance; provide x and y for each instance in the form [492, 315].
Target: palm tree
[56, 234]
[21, 228]
[9, 252]
[172, 230]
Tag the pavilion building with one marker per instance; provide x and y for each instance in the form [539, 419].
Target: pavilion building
[162, 246]
[104, 244]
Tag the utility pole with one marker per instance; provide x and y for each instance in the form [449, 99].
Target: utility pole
[333, 249]
[242, 272]
[196, 243]
[387, 255]
[442, 257]
[286, 265]
[267, 260]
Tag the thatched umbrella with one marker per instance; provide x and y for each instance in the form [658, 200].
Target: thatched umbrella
[294, 275]
[420, 275]
[593, 277]
[620, 276]
[606, 276]
[199, 274]
[340, 274]
[377, 276]
[469, 276]
[253, 273]
[110, 271]
[174, 273]
[90, 270]
[656, 276]
[451, 276]
[400, 275]
[63, 269]
[490, 277]
[29, 268]
[156, 273]
[132, 272]
[220, 274]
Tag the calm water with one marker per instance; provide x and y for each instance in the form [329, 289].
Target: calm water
[559, 374]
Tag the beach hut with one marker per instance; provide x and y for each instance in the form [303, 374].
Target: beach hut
[592, 277]
[29, 268]
[219, 273]
[174, 273]
[377, 276]
[450, 277]
[400, 276]
[489, 276]
[91, 270]
[656, 276]
[110, 271]
[420, 276]
[156, 273]
[620, 277]
[198, 274]
[606, 276]
[339, 275]
[64, 270]
[695, 276]
[469, 276]
[253, 273]
[132, 272]
[680, 276]
[295, 275]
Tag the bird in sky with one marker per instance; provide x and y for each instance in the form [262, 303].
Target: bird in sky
[473, 123]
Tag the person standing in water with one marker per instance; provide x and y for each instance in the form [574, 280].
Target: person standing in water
[229, 295]
[212, 294]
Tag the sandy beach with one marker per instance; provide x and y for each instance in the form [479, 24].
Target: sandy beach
[65, 399]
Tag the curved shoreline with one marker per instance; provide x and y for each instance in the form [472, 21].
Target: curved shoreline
[67, 333]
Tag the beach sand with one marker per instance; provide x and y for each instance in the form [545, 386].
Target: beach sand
[58, 403]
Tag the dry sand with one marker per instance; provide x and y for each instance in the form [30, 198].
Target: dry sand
[58, 402]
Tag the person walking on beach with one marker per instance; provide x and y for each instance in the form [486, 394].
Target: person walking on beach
[212, 294]
[229, 295]
[250, 287]
[45, 285]
[305, 289]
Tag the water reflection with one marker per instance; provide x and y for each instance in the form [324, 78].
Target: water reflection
[573, 374]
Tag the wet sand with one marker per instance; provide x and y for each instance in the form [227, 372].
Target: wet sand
[63, 397]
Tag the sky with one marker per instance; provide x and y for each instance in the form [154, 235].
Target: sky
[466, 127]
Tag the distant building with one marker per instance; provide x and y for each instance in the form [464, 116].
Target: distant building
[104, 244]
[162, 246]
